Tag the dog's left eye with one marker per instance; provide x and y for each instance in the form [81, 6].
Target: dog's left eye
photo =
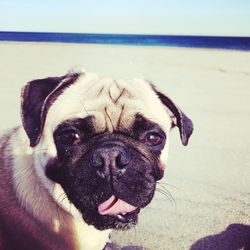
[153, 139]
[69, 137]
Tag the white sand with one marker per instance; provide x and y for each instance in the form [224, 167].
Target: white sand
[209, 179]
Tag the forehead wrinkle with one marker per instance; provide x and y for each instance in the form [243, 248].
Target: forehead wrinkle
[114, 91]
[122, 92]
[113, 116]
[107, 117]
[120, 117]
[111, 105]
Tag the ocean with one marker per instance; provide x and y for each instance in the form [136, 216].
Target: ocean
[235, 43]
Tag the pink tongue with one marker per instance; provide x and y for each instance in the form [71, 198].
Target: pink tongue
[114, 206]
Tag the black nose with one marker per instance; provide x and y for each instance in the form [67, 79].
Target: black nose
[110, 159]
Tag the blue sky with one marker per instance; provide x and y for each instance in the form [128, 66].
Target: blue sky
[181, 17]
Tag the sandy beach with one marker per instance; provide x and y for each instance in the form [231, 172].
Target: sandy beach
[209, 180]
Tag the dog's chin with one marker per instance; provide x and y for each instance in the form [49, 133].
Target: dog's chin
[122, 221]
[118, 222]
[113, 213]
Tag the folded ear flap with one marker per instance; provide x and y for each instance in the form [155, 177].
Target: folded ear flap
[180, 120]
[36, 98]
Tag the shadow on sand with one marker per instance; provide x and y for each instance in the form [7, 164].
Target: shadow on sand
[235, 237]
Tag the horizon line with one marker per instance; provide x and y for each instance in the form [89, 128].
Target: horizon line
[135, 34]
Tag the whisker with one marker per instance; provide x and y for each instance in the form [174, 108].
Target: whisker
[167, 184]
[82, 103]
[62, 194]
[169, 196]
[169, 193]
[60, 200]
[165, 194]
[84, 107]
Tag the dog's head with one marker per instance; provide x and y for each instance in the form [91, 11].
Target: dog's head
[104, 141]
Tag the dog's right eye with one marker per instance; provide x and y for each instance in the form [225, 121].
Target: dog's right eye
[153, 139]
[69, 137]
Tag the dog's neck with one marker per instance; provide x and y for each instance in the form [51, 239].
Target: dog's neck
[56, 212]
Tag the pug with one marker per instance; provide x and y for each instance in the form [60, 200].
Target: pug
[86, 160]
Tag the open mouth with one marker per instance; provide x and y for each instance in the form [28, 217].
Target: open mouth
[118, 208]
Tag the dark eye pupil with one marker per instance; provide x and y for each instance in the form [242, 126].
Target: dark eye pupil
[70, 138]
[153, 139]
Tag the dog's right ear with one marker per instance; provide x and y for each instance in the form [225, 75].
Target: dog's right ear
[181, 120]
[36, 98]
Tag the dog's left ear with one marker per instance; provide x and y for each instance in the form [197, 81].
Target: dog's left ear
[36, 98]
[180, 120]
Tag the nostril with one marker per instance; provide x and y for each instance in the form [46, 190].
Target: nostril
[97, 161]
[122, 160]
[118, 161]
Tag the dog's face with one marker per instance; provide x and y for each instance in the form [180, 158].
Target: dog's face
[104, 141]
